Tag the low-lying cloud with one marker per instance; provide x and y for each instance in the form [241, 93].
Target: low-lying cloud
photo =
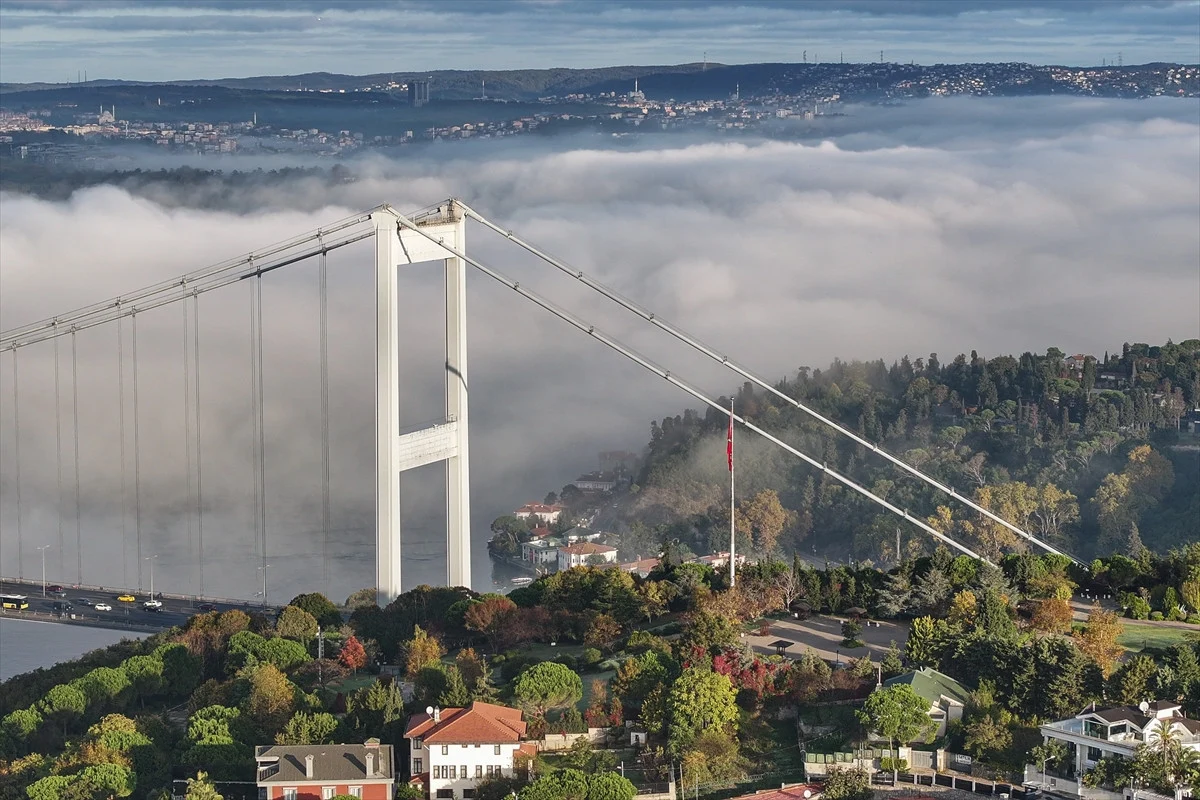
[1034, 231]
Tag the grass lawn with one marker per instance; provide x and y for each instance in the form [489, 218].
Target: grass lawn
[1138, 636]
[352, 683]
[587, 686]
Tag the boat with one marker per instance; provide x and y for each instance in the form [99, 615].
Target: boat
[522, 580]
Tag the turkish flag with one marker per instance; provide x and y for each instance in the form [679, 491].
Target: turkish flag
[729, 442]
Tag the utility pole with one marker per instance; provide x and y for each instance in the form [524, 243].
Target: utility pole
[43, 549]
[151, 560]
[320, 656]
[263, 569]
[732, 505]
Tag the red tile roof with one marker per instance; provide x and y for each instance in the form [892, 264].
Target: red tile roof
[538, 508]
[539, 532]
[587, 549]
[794, 792]
[480, 723]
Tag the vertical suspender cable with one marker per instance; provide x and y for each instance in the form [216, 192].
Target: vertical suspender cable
[75, 428]
[199, 461]
[124, 480]
[58, 456]
[254, 415]
[187, 418]
[137, 458]
[262, 436]
[323, 276]
[17, 454]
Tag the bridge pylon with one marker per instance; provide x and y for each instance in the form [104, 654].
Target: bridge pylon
[447, 440]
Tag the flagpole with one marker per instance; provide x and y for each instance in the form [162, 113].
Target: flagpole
[732, 515]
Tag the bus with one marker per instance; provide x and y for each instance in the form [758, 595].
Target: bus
[14, 602]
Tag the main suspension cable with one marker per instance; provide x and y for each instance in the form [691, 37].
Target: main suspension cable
[632, 355]
[75, 430]
[699, 346]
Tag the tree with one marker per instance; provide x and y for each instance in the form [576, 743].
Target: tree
[898, 713]
[713, 756]
[63, 703]
[608, 785]
[321, 608]
[963, 608]
[920, 648]
[709, 631]
[602, 633]
[145, 674]
[104, 687]
[272, 698]
[362, 598]
[847, 784]
[352, 655]
[492, 616]
[1099, 639]
[307, 728]
[296, 623]
[656, 595]
[547, 685]
[421, 651]
[455, 695]
[201, 788]
[700, 700]
[1132, 682]
[985, 735]
[1052, 616]
[763, 518]
[471, 666]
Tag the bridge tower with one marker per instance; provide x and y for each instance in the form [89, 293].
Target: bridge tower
[395, 452]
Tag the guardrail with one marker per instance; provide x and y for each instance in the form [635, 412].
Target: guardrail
[113, 622]
[115, 590]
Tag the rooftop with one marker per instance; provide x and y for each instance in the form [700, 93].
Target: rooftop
[331, 762]
[795, 791]
[479, 723]
[931, 685]
[587, 549]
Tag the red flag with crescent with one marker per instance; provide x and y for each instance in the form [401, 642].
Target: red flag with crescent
[729, 442]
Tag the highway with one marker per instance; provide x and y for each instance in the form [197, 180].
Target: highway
[175, 610]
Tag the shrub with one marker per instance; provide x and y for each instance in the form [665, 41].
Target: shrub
[1194, 619]
[1156, 616]
[590, 657]
[889, 764]
[567, 660]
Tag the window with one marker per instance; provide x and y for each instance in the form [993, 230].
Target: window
[328, 792]
[1094, 754]
[445, 749]
[465, 746]
[468, 792]
[416, 744]
[356, 791]
[497, 750]
[418, 766]
[476, 747]
[479, 770]
[464, 771]
[289, 794]
[489, 770]
[453, 771]
[445, 793]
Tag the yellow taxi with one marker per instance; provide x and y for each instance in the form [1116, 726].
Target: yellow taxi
[126, 598]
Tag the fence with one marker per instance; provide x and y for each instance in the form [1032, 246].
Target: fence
[554, 742]
[748, 785]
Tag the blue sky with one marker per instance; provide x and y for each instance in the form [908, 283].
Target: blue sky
[53, 40]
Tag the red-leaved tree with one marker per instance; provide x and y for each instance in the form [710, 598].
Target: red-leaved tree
[353, 655]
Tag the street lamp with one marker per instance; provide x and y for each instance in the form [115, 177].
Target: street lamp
[43, 549]
[263, 569]
[151, 560]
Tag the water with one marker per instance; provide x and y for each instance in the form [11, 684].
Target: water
[26, 645]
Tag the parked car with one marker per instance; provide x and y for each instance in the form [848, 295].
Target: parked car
[126, 598]
[103, 607]
[152, 604]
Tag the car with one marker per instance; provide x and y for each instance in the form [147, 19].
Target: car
[102, 607]
[153, 609]
[61, 607]
[60, 593]
[83, 601]
[152, 604]
[126, 598]
[54, 587]
[207, 607]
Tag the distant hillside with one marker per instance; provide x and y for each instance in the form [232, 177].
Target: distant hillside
[1095, 455]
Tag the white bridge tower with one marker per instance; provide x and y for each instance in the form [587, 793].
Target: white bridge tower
[396, 245]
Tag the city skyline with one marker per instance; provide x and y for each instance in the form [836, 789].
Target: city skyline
[60, 40]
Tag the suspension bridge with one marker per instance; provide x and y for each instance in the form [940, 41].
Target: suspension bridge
[434, 234]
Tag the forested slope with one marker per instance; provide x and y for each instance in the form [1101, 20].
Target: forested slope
[1096, 455]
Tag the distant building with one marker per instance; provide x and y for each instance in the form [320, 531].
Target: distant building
[718, 560]
[319, 772]
[548, 514]
[595, 482]
[541, 553]
[453, 749]
[641, 567]
[418, 93]
[578, 554]
[946, 697]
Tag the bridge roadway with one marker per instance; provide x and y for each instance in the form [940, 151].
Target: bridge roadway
[175, 610]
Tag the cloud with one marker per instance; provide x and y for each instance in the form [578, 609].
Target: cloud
[48, 41]
[996, 225]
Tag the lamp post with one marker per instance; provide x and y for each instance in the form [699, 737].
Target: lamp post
[151, 560]
[43, 549]
[263, 569]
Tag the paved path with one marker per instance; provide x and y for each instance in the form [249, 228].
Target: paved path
[823, 634]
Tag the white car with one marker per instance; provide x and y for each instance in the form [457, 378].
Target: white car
[152, 604]
[102, 607]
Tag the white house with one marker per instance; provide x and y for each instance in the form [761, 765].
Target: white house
[453, 749]
[1093, 733]
[546, 513]
[577, 555]
[541, 552]
[595, 482]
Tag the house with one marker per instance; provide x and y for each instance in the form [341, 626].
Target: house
[453, 749]
[581, 534]
[578, 554]
[642, 567]
[946, 697]
[595, 482]
[321, 771]
[718, 560]
[1093, 733]
[787, 791]
[548, 514]
[541, 552]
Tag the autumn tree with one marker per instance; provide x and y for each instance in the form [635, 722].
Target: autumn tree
[1052, 616]
[421, 651]
[352, 655]
[471, 666]
[296, 623]
[602, 633]
[272, 698]
[763, 518]
[700, 700]
[1098, 639]
[492, 616]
